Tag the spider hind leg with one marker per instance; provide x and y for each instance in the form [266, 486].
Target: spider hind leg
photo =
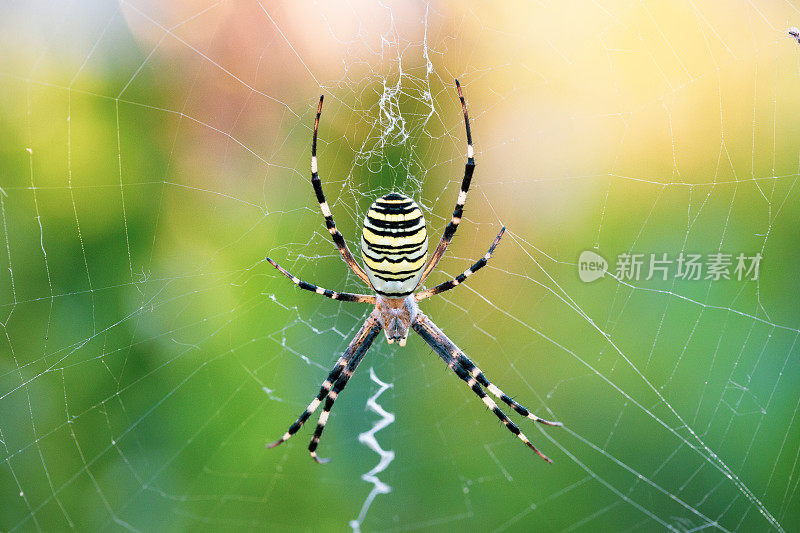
[474, 378]
[479, 376]
[472, 383]
[336, 380]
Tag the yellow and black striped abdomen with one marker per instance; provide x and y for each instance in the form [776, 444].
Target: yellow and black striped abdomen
[394, 245]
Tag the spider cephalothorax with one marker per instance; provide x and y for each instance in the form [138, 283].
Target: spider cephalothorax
[396, 316]
[394, 247]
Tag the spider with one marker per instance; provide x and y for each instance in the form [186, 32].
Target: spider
[394, 247]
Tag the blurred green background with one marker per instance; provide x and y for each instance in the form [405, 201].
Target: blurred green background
[152, 154]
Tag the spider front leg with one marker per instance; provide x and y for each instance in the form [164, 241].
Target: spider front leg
[336, 235]
[354, 353]
[474, 378]
[458, 212]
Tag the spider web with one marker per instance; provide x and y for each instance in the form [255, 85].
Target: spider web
[154, 153]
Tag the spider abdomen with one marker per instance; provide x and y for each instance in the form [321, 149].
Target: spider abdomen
[394, 245]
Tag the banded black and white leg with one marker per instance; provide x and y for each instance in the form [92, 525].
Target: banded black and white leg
[334, 295]
[464, 362]
[338, 387]
[447, 285]
[458, 212]
[474, 378]
[461, 357]
[336, 235]
[355, 351]
[323, 393]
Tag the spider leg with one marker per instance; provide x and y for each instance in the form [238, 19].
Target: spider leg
[472, 369]
[354, 351]
[450, 354]
[447, 285]
[323, 418]
[469, 168]
[337, 237]
[479, 376]
[342, 296]
[323, 393]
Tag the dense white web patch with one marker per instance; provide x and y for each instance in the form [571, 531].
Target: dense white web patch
[146, 373]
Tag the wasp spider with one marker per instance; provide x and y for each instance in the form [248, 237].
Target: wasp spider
[394, 247]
